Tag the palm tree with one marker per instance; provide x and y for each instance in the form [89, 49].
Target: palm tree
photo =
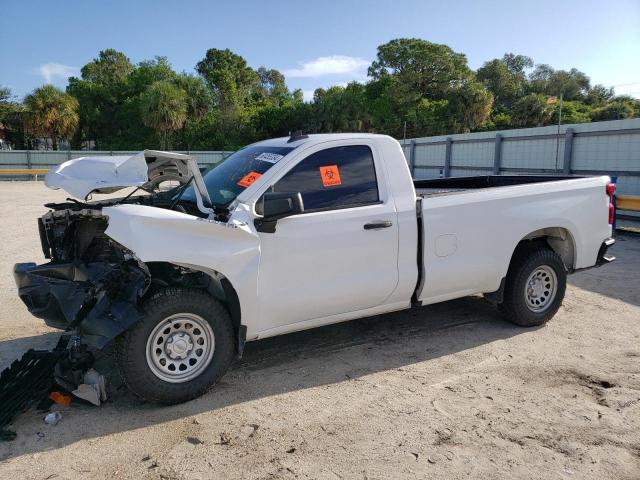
[51, 113]
[164, 108]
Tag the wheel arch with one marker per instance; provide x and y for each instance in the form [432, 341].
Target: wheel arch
[558, 239]
[213, 282]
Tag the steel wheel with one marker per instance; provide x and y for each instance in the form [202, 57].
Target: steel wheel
[541, 288]
[180, 347]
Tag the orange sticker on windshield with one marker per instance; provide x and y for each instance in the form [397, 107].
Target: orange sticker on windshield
[249, 178]
[330, 175]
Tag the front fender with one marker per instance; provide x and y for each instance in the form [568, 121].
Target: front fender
[159, 235]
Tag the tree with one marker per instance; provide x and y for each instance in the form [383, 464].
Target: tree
[102, 92]
[505, 78]
[572, 85]
[428, 69]
[11, 118]
[272, 87]
[617, 109]
[5, 96]
[418, 86]
[7, 107]
[532, 110]
[148, 72]
[51, 113]
[429, 118]
[390, 106]
[471, 103]
[573, 111]
[341, 109]
[199, 104]
[517, 64]
[231, 80]
[164, 108]
[110, 68]
[505, 86]
[599, 95]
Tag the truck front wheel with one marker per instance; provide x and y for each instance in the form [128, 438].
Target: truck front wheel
[535, 286]
[180, 348]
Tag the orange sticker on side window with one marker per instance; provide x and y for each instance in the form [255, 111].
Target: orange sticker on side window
[249, 178]
[330, 176]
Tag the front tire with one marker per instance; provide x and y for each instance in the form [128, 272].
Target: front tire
[535, 286]
[180, 348]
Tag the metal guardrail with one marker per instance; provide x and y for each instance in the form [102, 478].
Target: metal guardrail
[628, 202]
[499, 139]
[34, 172]
[609, 148]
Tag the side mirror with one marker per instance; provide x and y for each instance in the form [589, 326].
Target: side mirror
[274, 206]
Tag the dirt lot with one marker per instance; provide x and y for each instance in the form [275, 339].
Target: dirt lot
[446, 391]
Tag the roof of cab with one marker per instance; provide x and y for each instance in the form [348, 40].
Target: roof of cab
[316, 138]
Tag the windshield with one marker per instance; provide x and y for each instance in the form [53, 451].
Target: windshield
[228, 179]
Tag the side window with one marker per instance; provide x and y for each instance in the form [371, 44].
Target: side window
[337, 177]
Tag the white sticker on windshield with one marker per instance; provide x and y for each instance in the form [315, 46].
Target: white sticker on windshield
[269, 157]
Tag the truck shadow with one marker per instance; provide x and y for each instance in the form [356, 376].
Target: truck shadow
[620, 279]
[313, 358]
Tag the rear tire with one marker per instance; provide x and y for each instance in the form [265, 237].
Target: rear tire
[535, 286]
[181, 347]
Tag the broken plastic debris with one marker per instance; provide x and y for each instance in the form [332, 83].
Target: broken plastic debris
[93, 389]
[60, 398]
[88, 393]
[52, 418]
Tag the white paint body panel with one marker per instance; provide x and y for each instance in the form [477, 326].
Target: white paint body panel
[489, 223]
[346, 268]
[323, 267]
[82, 176]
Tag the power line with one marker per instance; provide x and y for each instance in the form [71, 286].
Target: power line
[626, 84]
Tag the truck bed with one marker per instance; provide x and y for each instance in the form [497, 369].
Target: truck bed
[470, 227]
[448, 186]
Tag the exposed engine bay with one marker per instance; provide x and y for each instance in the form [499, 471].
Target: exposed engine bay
[92, 284]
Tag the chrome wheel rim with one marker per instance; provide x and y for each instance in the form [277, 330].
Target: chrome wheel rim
[541, 288]
[180, 347]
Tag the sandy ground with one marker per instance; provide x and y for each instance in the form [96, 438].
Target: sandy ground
[446, 391]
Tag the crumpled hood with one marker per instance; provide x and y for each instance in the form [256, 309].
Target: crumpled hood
[105, 174]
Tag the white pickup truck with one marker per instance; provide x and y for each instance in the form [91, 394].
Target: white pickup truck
[290, 234]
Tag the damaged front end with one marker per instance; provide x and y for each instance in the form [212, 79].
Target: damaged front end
[91, 286]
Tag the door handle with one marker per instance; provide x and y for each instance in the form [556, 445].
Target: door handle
[377, 225]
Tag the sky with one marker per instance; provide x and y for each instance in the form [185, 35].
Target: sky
[315, 44]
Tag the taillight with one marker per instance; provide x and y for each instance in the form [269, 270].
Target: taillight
[611, 191]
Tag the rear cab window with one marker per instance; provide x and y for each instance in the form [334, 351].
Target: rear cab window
[334, 178]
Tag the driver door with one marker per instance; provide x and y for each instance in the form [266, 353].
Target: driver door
[340, 255]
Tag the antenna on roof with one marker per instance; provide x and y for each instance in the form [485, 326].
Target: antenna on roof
[297, 135]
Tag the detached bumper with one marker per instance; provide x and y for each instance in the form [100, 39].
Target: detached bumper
[603, 258]
[99, 299]
[53, 293]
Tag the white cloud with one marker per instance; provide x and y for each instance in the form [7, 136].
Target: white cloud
[332, 65]
[52, 71]
[307, 95]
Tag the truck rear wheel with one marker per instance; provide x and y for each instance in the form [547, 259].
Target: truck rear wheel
[535, 286]
[180, 348]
